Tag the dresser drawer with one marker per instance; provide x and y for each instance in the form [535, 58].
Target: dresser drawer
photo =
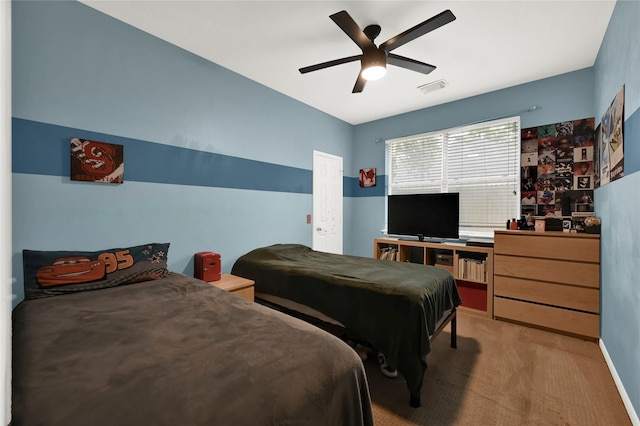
[573, 322]
[566, 296]
[557, 271]
[583, 247]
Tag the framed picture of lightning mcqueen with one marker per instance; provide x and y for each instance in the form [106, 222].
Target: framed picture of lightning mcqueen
[93, 161]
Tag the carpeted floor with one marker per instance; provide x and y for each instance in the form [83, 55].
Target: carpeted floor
[503, 374]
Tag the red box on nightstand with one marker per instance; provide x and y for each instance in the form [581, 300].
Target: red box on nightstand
[206, 266]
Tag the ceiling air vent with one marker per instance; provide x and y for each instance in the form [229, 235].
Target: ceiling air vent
[433, 86]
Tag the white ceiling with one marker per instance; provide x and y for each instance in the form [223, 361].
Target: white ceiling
[491, 45]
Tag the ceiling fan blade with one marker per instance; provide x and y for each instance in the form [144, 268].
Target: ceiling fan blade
[419, 30]
[410, 64]
[328, 64]
[350, 28]
[360, 83]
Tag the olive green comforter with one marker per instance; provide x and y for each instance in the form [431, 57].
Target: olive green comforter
[394, 305]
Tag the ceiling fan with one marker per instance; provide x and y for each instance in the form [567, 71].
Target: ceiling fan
[374, 59]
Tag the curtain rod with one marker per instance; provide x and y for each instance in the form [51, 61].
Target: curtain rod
[530, 109]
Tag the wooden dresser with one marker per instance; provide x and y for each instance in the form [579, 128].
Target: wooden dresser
[549, 280]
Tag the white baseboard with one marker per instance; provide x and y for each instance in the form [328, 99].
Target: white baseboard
[635, 421]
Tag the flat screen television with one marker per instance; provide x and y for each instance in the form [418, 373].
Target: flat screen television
[424, 215]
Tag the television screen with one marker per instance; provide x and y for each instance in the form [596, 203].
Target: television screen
[424, 215]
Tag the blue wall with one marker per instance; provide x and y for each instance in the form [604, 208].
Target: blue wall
[584, 93]
[213, 161]
[618, 203]
[564, 97]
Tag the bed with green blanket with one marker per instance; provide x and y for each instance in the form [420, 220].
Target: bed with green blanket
[397, 307]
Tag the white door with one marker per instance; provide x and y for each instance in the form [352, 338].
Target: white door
[327, 202]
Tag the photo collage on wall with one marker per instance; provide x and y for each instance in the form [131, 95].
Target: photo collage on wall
[558, 168]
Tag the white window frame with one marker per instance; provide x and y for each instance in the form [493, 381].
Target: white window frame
[502, 179]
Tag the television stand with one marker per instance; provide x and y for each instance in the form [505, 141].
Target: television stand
[471, 266]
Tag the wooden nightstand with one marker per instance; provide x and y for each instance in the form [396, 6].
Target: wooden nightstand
[243, 287]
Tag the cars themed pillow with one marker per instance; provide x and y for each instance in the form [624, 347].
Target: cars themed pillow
[51, 273]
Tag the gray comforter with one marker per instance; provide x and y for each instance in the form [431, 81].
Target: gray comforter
[177, 351]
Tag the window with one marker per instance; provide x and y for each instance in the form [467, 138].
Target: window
[480, 161]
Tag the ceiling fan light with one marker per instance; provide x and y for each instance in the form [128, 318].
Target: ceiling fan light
[374, 72]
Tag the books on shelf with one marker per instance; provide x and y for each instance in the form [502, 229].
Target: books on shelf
[389, 253]
[472, 269]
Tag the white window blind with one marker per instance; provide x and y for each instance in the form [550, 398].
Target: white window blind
[479, 161]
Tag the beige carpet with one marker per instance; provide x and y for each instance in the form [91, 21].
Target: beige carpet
[503, 374]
